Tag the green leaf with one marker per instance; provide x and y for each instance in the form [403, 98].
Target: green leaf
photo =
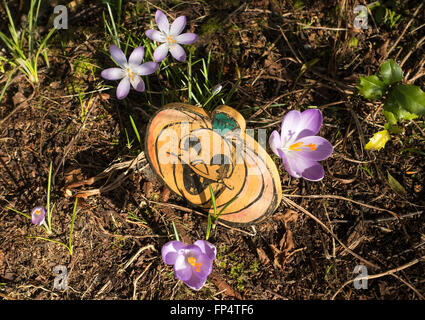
[394, 111]
[391, 72]
[394, 129]
[391, 118]
[371, 87]
[396, 186]
[409, 97]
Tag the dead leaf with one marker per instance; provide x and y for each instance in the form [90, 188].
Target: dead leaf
[73, 175]
[277, 257]
[148, 189]
[105, 96]
[263, 256]
[18, 98]
[165, 194]
[290, 216]
[223, 286]
[396, 186]
[286, 244]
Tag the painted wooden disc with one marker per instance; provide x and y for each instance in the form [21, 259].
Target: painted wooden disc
[191, 149]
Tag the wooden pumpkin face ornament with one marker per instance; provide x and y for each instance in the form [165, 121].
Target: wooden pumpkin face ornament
[191, 149]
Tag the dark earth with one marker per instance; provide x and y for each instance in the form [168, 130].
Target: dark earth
[264, 53]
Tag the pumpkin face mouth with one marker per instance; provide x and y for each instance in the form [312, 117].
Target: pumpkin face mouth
[191, 150]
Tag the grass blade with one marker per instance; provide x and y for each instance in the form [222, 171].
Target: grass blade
[25, 215]
[49, 185]
[71, 229]
[175, 232]
[135, 130]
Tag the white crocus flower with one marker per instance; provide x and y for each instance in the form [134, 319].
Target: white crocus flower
[129, 72]
[171, 37]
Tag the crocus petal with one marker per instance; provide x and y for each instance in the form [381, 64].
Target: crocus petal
[195, 282]
[310, 123]
[117, 55]
[123, 88]
[275, 142]
[162, 22]
[206, 248]
[301, 167]
[289, 127]
[136, 56]
[169, 251]
[137, 83]
[187, 38]
[178, 25]
[205, 266]
[313, 148]
[289, 166]
[178, 52]
[182, 268]
[113, 74]
[155, 35]
[314, 173]
[146, 68]
[161, 52]
[38, 215]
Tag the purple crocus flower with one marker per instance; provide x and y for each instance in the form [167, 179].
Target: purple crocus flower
[129, 71]
[38, 215]
[298, 145]
[192, 263]
[171, 37]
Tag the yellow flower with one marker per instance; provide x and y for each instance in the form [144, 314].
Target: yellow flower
[378, 141]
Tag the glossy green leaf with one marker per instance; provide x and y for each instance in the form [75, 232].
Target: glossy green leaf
[391, 118]
[409, 97]
[391, 72]
[394, 111]
[371, 87]
[393, 129]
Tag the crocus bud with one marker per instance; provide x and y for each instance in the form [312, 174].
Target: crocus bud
[38, 215]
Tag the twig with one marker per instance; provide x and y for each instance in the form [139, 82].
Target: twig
[290, 47]
[330, 196]
[19, 106]
[404, 31]
[321, 28]
[386, 273]
[293, 204]
[74, 139]
[402, 216]
[409, 285]
[113, 185]
[198, 213]
[129, 262]
[137, 280]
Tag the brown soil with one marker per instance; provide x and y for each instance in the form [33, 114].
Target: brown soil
[290, 255]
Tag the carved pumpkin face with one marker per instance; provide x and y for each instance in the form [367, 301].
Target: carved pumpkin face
[189, 150]
[202, 164]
